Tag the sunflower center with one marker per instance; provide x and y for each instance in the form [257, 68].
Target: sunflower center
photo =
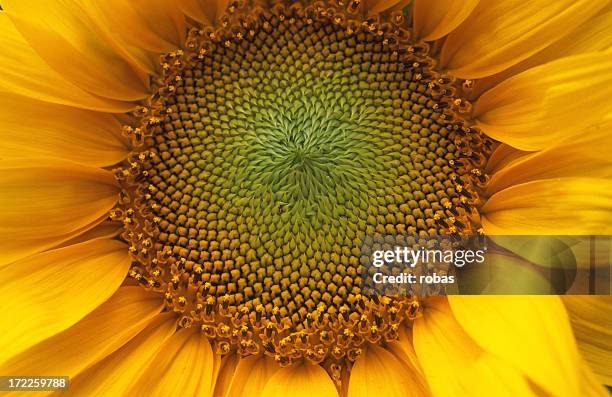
[275, 145]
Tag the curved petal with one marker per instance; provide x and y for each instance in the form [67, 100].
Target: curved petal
[442, 347]
[43, 205]
[404, 349]
[69, 41]
[378, 6]
[194, 9]
[47, 293]
[226, 373]
[592, 36]
[434, 19]
[532, 333]
[34, 129]
[551, 206]
[502, 156]
[153, 25]
[183, 367]
[100, 333]
[142, 29]
[23, 72]
[591, 386]
[552, 102]
[250, 374]
[490, 373]
[104, 231]
[205, 11]
[19, 248]
[586, 155]
[499, 34]
[300, 380]
[116, 373]
[376, 363]
[591, 318]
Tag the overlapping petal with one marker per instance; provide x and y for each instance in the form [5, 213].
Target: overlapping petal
[251, 373]
[100, 333]
[183, 366]
[499, 34]
[69, 41]
[434, 19]
[204, 11]
[591, 318]
[532, 333]
[551, 206]
[44, 203]
[300, 380]
[117, 372]
[140, 29]
[33, 129]
[546, 104]
[592, 36]
[443, 348]
[47, 293]
[586, 155]
[376, 363]
[24, 72]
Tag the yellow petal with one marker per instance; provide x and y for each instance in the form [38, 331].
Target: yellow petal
[183, 367]
[551, 206]
[538, 107]
[205, 11]
[100, 333]
[499, 34]
[586, 155]
[47, 293]
[23, 72]
[250, 374]
[442, 347]
[194, 9]
[434, 19]
[592, 36]
[226, 373]
[105, 230]
[45, 202]
[591, 386]
[404, 349]
[19, 248]
[502, 156]
[156, 26]
[142, 29]
[532, 333]
[116, 373]
[490, 373]
[300, 380]
[378, 6]
[591, 318]
[376, 363]
[33, 129]
[69, 41]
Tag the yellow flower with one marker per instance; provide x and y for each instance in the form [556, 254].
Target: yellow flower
[185, 186]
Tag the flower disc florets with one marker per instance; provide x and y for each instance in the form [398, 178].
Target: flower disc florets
[275, 145]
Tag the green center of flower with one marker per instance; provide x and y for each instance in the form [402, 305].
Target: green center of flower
[277, 145]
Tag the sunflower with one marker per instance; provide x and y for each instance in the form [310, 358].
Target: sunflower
[185, 187]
